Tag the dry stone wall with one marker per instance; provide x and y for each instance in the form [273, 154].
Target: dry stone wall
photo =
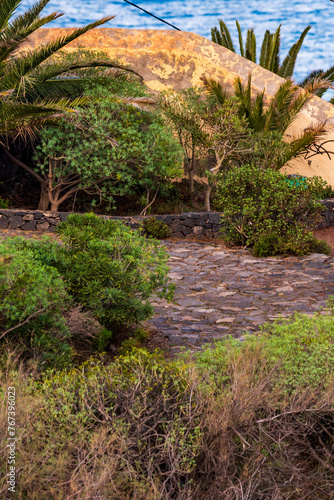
[187, 225]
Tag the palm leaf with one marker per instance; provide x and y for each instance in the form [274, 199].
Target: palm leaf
[11, 38]
[215, 89]
[241, 42]
[265, 50]
[274, 60]
[25, 63]
[312, 135]
[249, 54]
[288, 66]
[8, 9]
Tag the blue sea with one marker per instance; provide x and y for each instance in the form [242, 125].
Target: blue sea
[199, 16]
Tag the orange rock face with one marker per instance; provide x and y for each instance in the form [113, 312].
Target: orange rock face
[176, 60]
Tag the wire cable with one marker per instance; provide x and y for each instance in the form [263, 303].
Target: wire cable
[149, 13]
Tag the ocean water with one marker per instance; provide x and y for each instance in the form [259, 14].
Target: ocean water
[199, 16]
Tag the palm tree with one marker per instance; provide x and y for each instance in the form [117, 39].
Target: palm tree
[270, 48]
[279, 113]
[31, 88]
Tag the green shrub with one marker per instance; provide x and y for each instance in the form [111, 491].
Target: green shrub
[156, 228]
[128, 421]
[111, 270]
[236, 417]
[260, 206]
[33, 298]
[302, 349]
[301, 243]
[103, 267]
[3, 203]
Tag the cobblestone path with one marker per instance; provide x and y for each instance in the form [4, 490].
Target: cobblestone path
[223, 292]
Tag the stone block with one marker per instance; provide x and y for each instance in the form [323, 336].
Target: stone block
[52, 221]
[201, 222]
[4, 222]
[43, 226]
[28, 217]
[189, 222]
[175, 225]
[63, 216]
[186, 230]
[199, 230]
[168, 219]
[214, 217]
[178, 235]
[185, 215]
[29, 226]
[38, 215]
[208, 234]
[195, 215]
[15, 222]
[7, 213]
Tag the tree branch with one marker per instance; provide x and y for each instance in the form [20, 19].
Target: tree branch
[23, 165]
[23, 322]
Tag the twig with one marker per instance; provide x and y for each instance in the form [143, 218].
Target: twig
[23, 322]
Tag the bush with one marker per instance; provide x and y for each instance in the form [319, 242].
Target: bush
[261, 208]
[304, 242]
[111, 270]
[156, 228]
[3, 203]
[103, 268]
[254, 416]
[33, 298]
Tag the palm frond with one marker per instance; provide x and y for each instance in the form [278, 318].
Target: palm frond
[250, 48]
[265, 50]
[216, 36]
[241, 42]
[23, 64]
[13, 35]
[214, 88]
[8, 9]
[226, 33]
[274, 59]
[287, 68]
[310, 136]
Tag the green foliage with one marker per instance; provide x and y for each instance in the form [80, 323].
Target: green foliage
[110, 148]
[3, 203]
[33, 298]
[186, 112]
[257, 406]
[302, 348]
[111, 270]
[300, 243]
[270, 48]
[261, 207]
[29, 85]
[103, 267]
[156, 228]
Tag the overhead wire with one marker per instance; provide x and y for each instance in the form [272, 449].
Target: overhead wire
[149, 13]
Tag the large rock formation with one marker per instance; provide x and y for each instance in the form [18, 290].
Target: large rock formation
[173, 59]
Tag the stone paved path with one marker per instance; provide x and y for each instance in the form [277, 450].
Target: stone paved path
[220, 291]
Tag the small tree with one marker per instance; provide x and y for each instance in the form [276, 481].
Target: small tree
[186, 112]
[107, 149]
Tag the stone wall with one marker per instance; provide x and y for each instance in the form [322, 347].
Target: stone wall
[187, 225]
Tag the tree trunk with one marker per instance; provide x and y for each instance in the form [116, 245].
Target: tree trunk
[54, 206]
[191, 179]
[191, 173]
[44, 201]
[207, 206]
